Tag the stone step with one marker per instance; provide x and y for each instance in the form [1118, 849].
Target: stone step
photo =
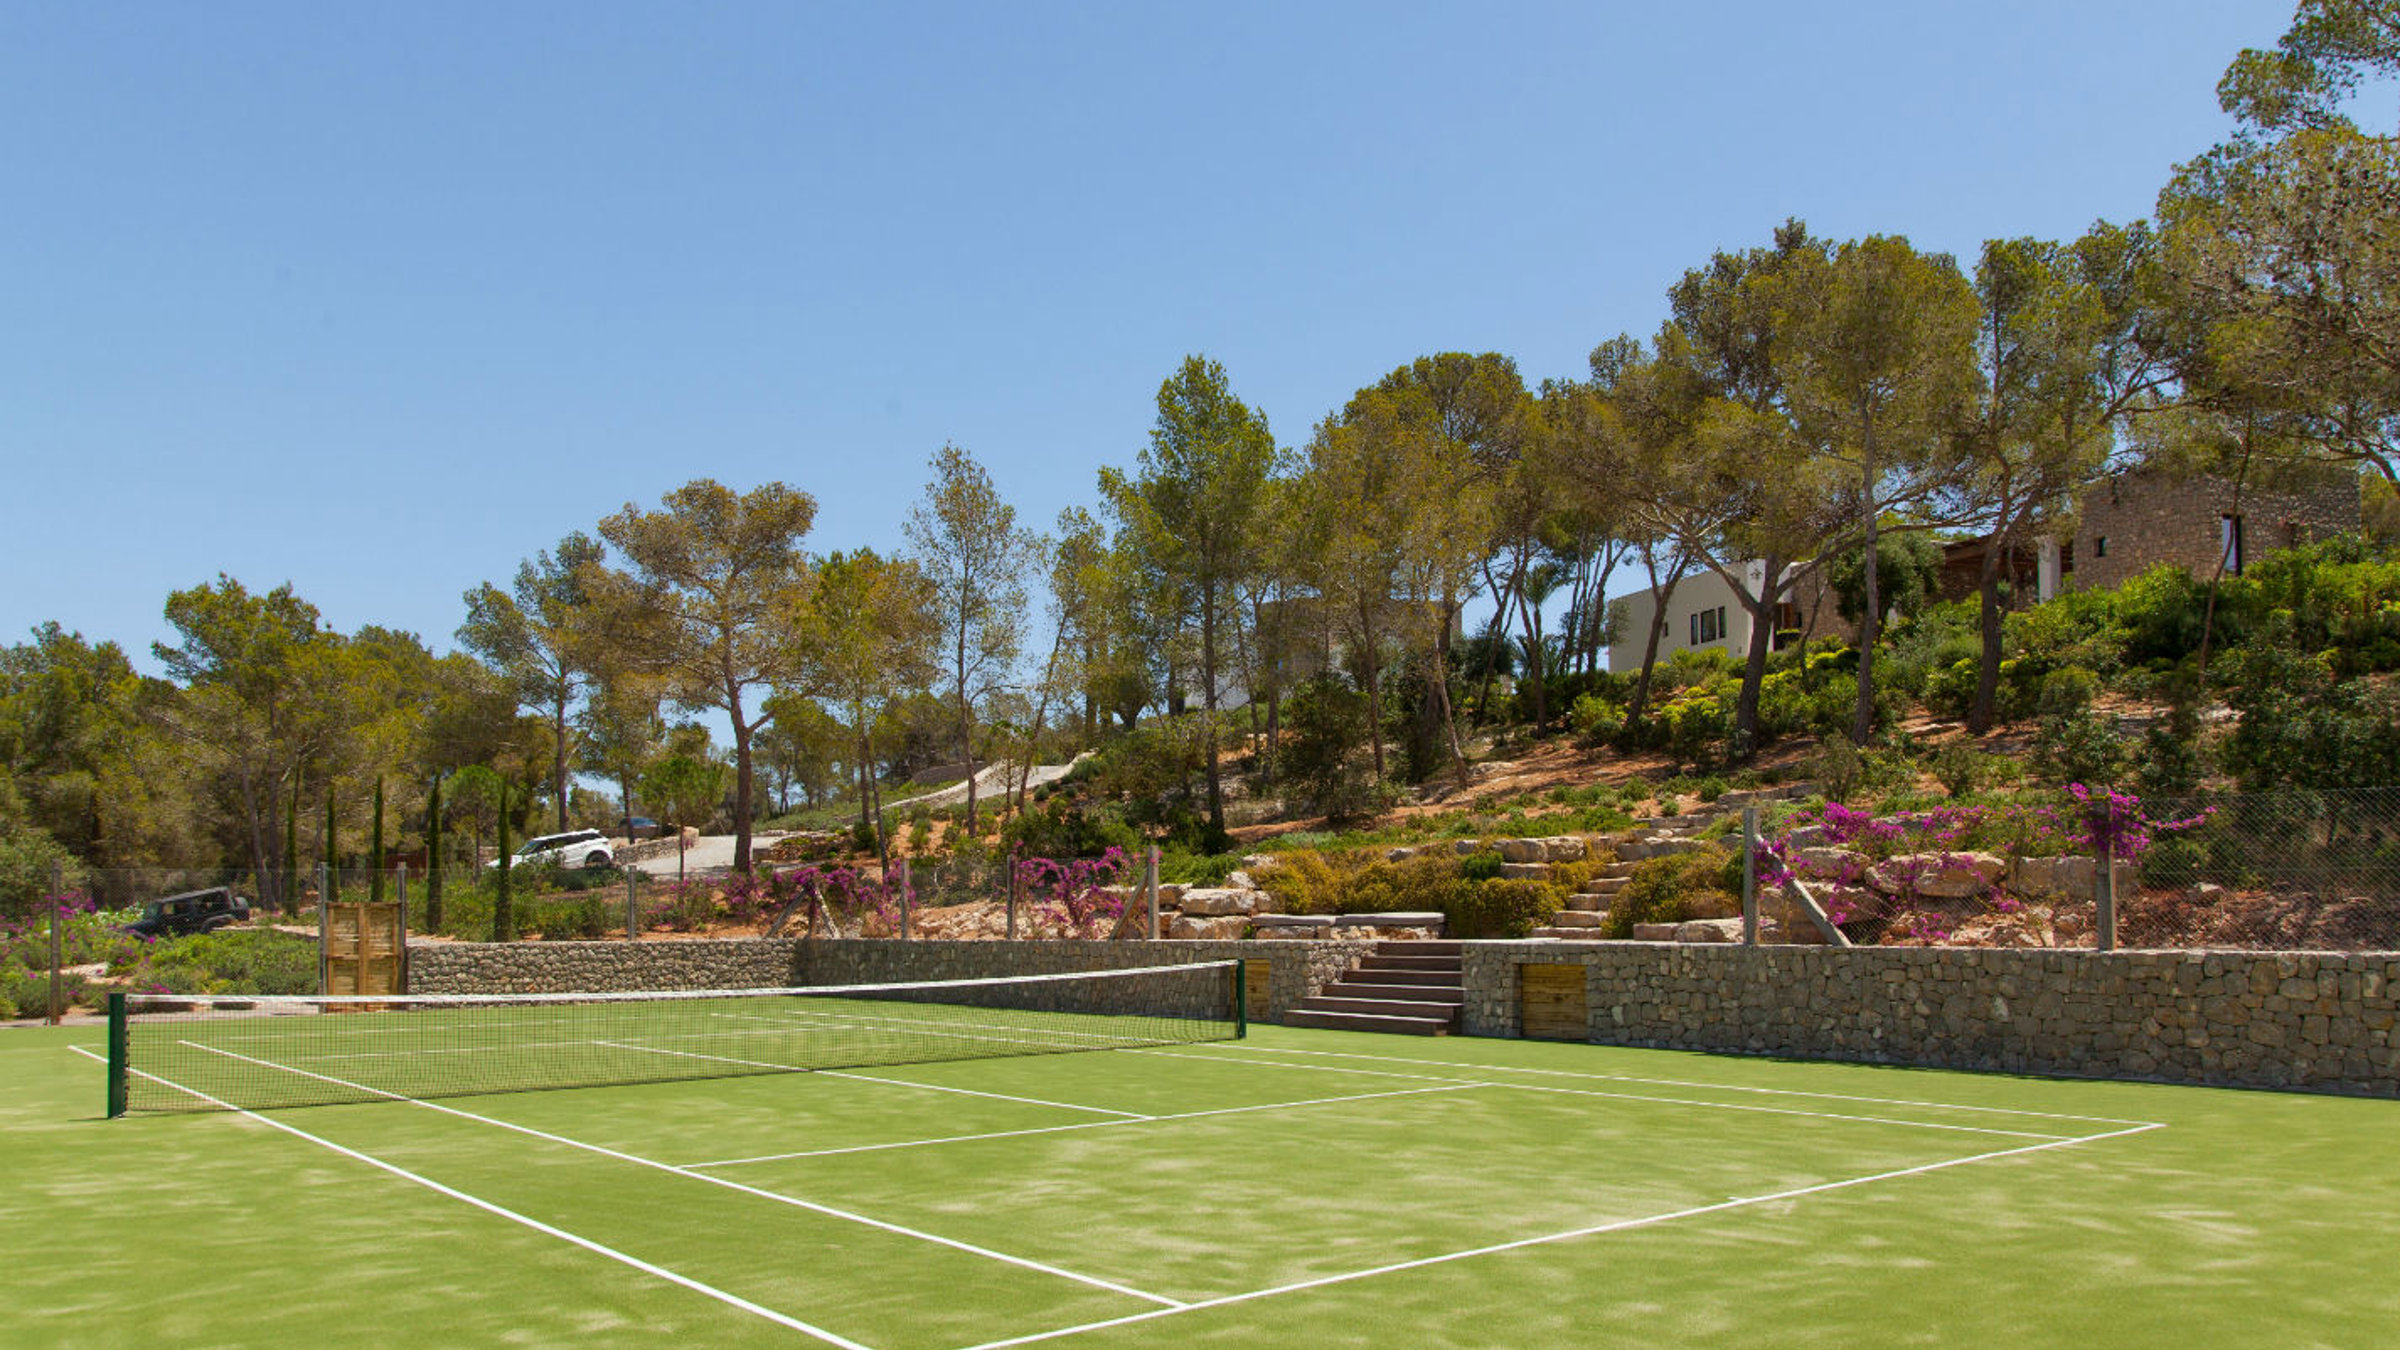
[1618, 871]
[1411, 993]
[1379, 961]
[1589, 904]
[1579, 918]
[1604, 885]
[1564, 935]
[1340, 1021]
[1381, 1007]
[1444, 978]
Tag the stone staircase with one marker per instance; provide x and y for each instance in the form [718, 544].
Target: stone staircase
[1412, 988]
[1657, 837]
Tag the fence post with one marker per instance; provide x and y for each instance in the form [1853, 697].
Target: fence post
[58, 901]
[633, 905]
[2104, 895]
[401, 874]
[1012, 895]
[904, 913]
[324, 929]
[1150, 888]
[1749, 876]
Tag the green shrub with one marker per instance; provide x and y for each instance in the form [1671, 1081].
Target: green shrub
[1837, 767]
[234, 961]
[1062, 829]
[1960, 768]
[578, 918]
[2080, 747]
[1504, 908]
[1596, 719]
[1179, 864]
[1481, 865]
[1673, 889]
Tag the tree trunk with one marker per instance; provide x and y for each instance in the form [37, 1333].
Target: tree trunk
[1208, 702]
[1665, 596]
[1491, 655]
[1986, 708]
[742, 732]
[1536, 668]
[558, 727]
[1870, 622]
[966, 726]
[1374, 670]
[2208, 616]
[1771, 587]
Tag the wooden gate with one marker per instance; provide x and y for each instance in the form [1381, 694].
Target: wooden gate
[1259, 998]
[1551, 1003]
[366, 949]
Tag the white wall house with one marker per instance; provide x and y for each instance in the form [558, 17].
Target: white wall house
[1705, 613]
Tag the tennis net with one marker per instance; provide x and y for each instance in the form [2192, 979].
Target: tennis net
[193, 1053]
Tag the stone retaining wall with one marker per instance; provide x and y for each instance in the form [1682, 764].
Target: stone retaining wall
[599, 967]
[1296, 969]
[2317, 1021]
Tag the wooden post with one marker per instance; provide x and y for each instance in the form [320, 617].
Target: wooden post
[1012, 895]
[1749, 876]
[904, 916]
[1150, 889]
[324, 928]
[633, 905]
[2104, 894]
[400, 977]
[58, 901]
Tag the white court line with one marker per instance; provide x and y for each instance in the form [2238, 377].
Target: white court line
[868, 1078]
[1679, 1082]
[600, 1249]
[1082, 1125]
[1592, 1230]
[1026, 1263]
[1625, 1096]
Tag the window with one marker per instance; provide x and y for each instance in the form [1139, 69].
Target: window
[1708, 626]
[2100, 546]
[2229, 533]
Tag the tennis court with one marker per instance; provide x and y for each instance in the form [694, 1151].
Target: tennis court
[1283, 1187]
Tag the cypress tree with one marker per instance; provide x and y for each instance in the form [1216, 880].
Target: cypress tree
[375, 851]
[287, 894]
[504, 923]
[333, 862]
[433, 857]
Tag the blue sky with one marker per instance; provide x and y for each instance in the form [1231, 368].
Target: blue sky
[379, 299]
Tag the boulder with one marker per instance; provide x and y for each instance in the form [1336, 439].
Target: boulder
[1190, 927]
[1655, 932]
[1562, 848]
[1259, 862]
[1523, 851]
[1215, 900]
[1525, 871]
[1400, 855]
[1809, 836]
[1464, 847]
[1240, 881]
[1940, 876]
[1170, 894]
[1826, 863]
[1709, 930]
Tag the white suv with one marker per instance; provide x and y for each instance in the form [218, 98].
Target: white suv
[575, 848]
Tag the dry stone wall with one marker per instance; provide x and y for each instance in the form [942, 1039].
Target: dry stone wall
[599, 967]
[2318, 1021]
[1296, 970]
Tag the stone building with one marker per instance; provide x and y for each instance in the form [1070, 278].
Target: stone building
[2131, 522]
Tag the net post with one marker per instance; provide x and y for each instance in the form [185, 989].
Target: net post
[1241, 999]
[1749, 876]
[1150, 889]
[117, 1041]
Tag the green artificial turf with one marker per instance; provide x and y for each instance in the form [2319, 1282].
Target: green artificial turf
[1278, 1171]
